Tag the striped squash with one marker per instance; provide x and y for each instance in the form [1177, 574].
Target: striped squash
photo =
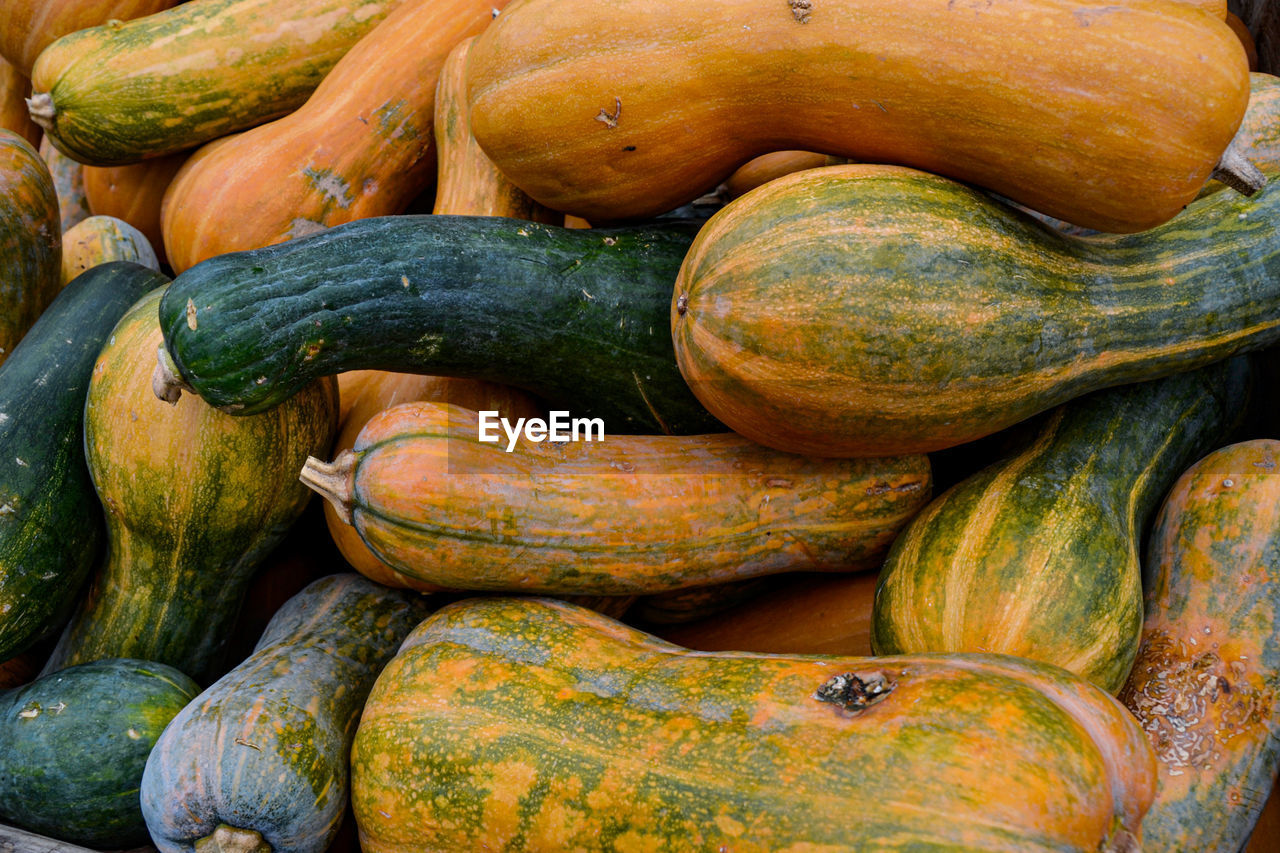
[1037, 555]
[118, 93]
[626, 515]
[29, 26]
[871, 310]
[1207, 678]
[527, 724]
[100, 239]
[30, 239]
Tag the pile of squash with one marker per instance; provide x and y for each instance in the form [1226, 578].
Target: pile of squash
[807, 425]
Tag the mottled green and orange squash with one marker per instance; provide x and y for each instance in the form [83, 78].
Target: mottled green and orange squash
[14, 88]
[30, 239]
[262, 753]
[101, 239]
[118, 93]
[134, 193]
[73, 746]
[619, 516]
[1207, 678]
[361, 146]
[365, 393]
[195, 500]
[527, 724]
[1110, 116]
[68, 183]
[872, 310]
[29, 26]
[467, 182]
[1038, 554]
[1259, 133]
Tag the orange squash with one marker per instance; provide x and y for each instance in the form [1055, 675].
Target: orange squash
[360, 146]
[30, 239]
[631, 514]
[526, 724]
[101, 239]
[365, 393]
[1109, 116]
[775, 164]
[14, 89]
[467, 182]
[133, 193]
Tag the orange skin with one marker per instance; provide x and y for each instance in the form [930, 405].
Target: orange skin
[14, 89]
[133, 193]
[361, 146]
[29, 26]
[30, 239]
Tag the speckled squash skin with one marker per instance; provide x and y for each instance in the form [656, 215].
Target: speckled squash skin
[1037, 555]
[628, 109]
[30, 239]
[1207, 678]
[265, 748]
[51, 531]
[68, 183]
[526, 724]
[118, 93]
[621, 516]
[101, 239]
[870, 310]
[73, 745]
[194, 500]
[361, 146]
[29, 26]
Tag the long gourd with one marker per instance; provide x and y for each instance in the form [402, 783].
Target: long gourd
[611, 515]
[1108, 115]
[526, 724]
[578, 317]
[1038, 555]
[51, 531]
[1205, 683]
[869, 310]
[118, 93]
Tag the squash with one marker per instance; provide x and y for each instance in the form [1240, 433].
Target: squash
[467, 182]
[1246, 38]
[697, 602]
[30, 239]
[527, 724]
[802, 614]
[29, 26]
[775, 164]
[51, 531]
[14, 88]
[873, 310]
[73, 746]
[1038, 554]
[194, 499]
[576, 317]
[365, 393]
[100, 239]
[262, 754]
[626, 515]
[117, 93]
[68, 183]
[1205, 683]
[360, 146]
[1109, 116]
[135, 194]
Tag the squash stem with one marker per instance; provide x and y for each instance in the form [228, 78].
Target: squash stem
[42, 111]
[334, 481]
[1238, 172]
[165, 381]
[231, 839]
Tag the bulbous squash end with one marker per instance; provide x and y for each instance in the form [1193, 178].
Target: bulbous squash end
[230, 839]
[166, 384]
[333, 481]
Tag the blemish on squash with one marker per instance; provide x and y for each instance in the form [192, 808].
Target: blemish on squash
[30, 712]
[329, 185]
[133, 734]
[191, 314]
[682, 304]
[801, 10]
[244, 742]
[404, 280]
[853, 693]
[611, 119]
